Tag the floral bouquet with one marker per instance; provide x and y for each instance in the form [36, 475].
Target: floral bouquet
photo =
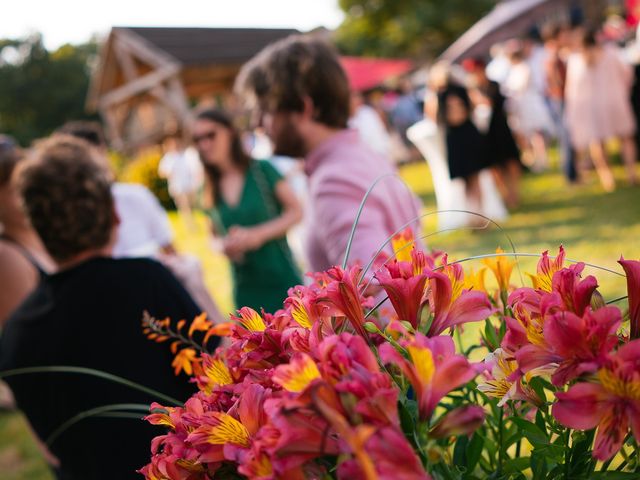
[351, 381]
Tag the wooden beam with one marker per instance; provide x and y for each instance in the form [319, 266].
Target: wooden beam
[179, 99]
[125, 60]
[113, 127]
[139, 85]
[96, 83]
[143, 49]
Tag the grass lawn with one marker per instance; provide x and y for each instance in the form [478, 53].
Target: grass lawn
[594, 226]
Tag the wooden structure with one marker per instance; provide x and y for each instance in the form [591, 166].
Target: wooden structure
[148, 78]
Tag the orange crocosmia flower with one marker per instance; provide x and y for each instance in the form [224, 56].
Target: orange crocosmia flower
[297, 374]
[220, 330]
[501, 267]
[402, 244]
[200, 324]
[183, 361]
[475, 281]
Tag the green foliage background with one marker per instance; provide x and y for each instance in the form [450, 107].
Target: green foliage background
[405, 28]
[41, 90]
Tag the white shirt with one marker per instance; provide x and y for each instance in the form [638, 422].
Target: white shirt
[183, 171]
[372, 130]
[144, 226]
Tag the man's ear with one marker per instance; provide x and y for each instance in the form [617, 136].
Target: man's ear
[308, 109]
[115, 216]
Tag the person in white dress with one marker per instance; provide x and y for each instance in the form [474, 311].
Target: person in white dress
[530, 117]
[183, 171]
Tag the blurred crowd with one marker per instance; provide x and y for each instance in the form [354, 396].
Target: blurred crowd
[563, 84]
[83, 255]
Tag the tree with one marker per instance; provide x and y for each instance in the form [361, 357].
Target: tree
[405, 28]
[40, 90]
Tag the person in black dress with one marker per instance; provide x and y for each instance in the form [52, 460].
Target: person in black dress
[466, 147]
[502, 152]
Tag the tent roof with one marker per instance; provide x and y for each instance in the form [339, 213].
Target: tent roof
[205, 46]
[506, 20]
[365, 73]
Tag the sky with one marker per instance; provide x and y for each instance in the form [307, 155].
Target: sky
[75, 21]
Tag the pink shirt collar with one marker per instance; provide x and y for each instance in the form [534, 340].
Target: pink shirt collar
[317, 156]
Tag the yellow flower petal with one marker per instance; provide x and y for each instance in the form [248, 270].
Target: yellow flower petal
[227, 429]
[422, 360]
[298, 374]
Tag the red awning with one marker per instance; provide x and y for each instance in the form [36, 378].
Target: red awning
[365, 73]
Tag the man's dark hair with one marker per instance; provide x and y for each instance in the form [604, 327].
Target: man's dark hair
[67, 196]
[86, 130]
[287, 71]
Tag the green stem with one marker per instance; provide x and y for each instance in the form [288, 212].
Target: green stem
[458, 339]
[119, 407]
[93, 373]
[567, 452]
[500, 441]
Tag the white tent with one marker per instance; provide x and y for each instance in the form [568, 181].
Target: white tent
[513, 18]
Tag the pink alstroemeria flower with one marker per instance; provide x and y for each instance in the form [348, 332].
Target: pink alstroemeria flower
[450, 304]
[404, 283]
[578, 345]
[612, 404]
[575, 293]
[392, 458]
[221, 434]
[547, 267]
[632, 270]
[434, 369]
[343, 293]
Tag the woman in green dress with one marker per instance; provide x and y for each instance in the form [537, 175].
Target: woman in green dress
[251, 207]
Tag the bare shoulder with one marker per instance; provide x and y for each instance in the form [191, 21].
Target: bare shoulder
[13, 263]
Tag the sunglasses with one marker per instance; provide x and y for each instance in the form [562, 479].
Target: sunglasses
[205, 136]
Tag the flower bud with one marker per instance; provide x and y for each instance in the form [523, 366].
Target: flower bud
[460, 421]
[371, 327]
[597, 301]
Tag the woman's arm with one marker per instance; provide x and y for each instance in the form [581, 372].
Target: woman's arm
[243, 239]
[18, 279]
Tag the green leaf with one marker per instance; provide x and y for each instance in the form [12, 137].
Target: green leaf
[531, 431]
[512, 439]
[540, 421]
[539, 466]
[614, 476]
[474, 451]
[97, 411]
[408, 411]
[490, 335]
[538, 386]
[519, 464]
[460, 450]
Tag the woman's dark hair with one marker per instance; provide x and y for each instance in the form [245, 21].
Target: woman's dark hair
[10, 155]
[238, 155]
[590, 38]
[67, 195]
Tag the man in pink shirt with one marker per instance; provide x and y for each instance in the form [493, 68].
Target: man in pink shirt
[303, 95]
